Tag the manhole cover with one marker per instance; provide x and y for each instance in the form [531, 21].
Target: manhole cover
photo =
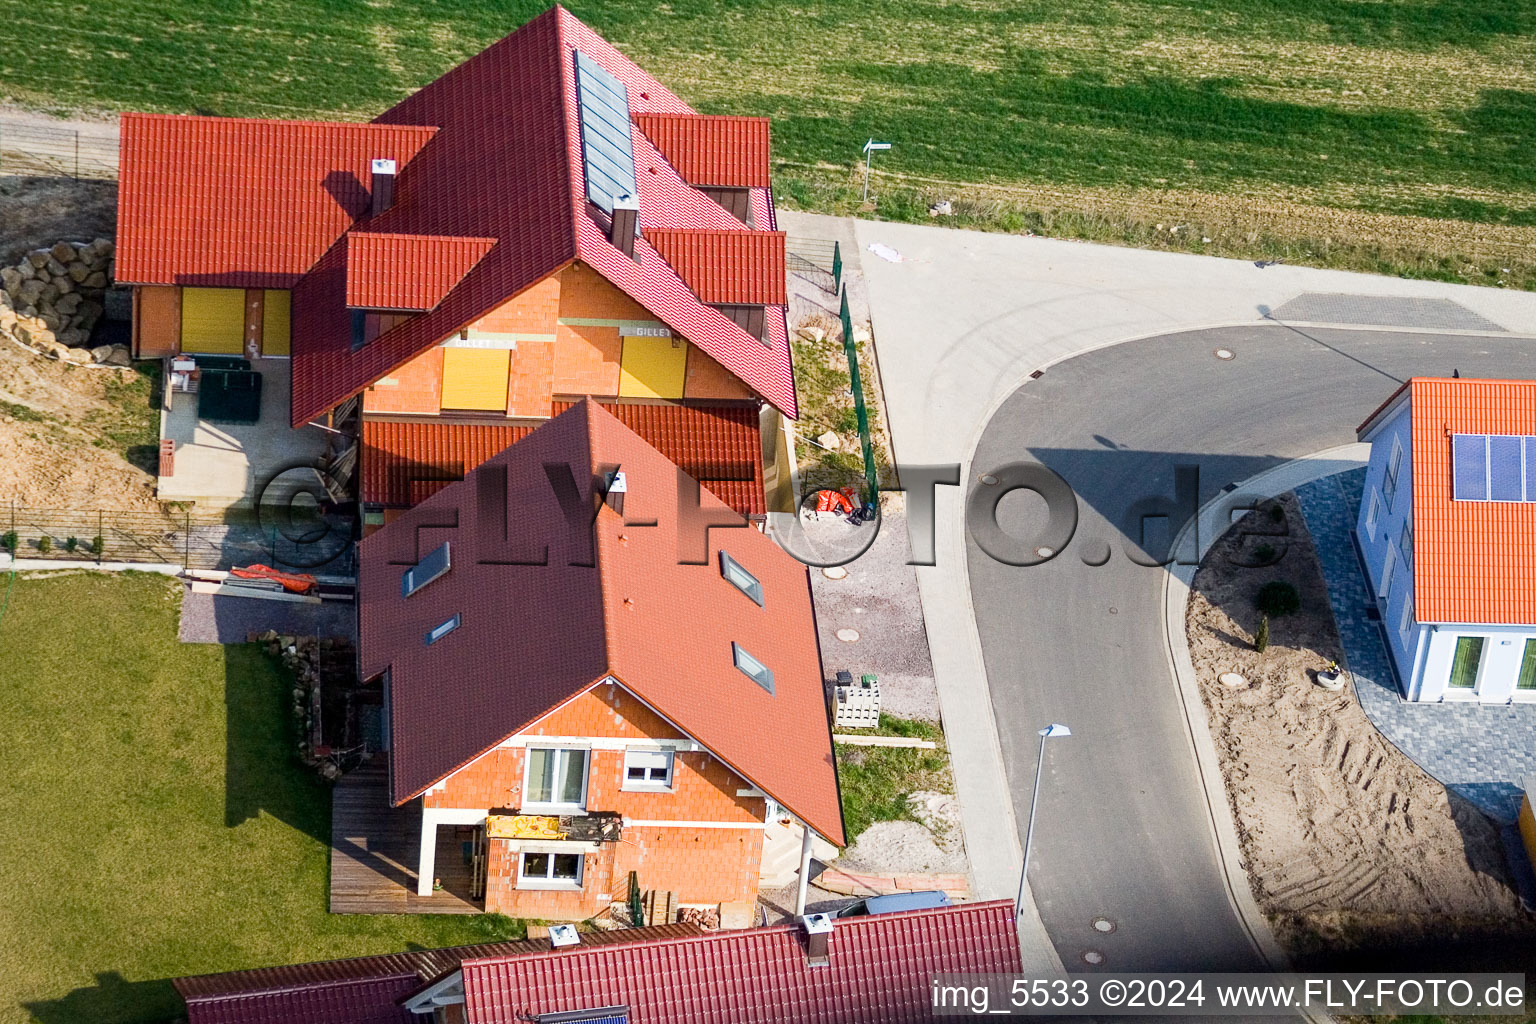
[848, 635]
[1045, 552]
[1093, 957]
[989, 479]
[835, 572]
[1103, 924]
[1225, 353]
[1231, 679]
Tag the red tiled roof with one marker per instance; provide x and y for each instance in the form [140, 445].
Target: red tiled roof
[725, 152]
[407, 272]
[729, 267]
[506, 164]
[534, 635]
[1473, 561]
[405, 460]
[880, 972]
[362, 990]
[233, 202]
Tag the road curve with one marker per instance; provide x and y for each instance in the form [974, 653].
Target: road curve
[1123, 831]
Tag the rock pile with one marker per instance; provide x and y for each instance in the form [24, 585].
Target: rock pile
[314, 663]
[51, 299]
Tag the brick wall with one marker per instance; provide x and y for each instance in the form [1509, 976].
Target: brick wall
[708, 379]
[587, 361]
[532, 312]
[586, 294]
[415, 387]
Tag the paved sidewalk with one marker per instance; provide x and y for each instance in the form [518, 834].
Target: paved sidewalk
[1481, 751]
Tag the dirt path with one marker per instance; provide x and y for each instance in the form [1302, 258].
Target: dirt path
[1348, 844]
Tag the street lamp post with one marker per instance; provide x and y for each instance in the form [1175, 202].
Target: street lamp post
[1054, 729]
[870, 147]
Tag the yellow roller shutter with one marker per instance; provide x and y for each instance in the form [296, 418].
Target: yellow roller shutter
[475, 378]
[653, 368]
[274, 322]
[213, 320]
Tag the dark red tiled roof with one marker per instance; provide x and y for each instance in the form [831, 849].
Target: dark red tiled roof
[232, 202]
[547, 613]
[507, 164]
[719, 446]
[362, 990]
[880, 972]
[726, 267]
[725, 152]
[407, 272]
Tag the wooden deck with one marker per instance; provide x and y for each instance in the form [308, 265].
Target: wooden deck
[374, 853]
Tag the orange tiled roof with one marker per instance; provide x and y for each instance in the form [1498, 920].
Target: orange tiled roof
[1473, 561]
[726, 267]
[233, 202]
[407, 272]
[724, 152]
[406, 461]
[617, 600]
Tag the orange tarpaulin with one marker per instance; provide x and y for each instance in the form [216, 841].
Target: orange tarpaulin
[523, 826]
[293, 582]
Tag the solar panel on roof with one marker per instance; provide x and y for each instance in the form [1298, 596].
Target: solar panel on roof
[607, 152]
[1504, 468]
[1469, 467]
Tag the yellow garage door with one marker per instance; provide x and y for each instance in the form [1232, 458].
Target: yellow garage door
[475, 378]
[653, 368]
[274, 322]
[213, 320]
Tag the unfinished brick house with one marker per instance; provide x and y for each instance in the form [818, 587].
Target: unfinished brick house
[586, 663]
[543, 223]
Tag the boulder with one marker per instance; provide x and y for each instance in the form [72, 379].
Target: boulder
[49, 293]
[90, 308]
[25, 270]
[120, 356]
[103, 246]
[63, 252]
[68, 303]
[97, 279]
[55, 268]
[64, 284]
[10, 278]
[30, 292]
[73, 337]
[52, 321]
[7, 317]
[38, 257]
[102, 352]
[78, 355]
[78, 271]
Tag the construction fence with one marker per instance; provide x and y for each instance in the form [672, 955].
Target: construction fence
[29, 150]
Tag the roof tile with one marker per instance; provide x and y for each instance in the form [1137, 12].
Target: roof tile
[726, 267]
[723, 152]
[407, 272]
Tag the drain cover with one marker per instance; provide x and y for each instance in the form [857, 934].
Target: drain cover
[1224, 353]
[1093, 957]
[848, 635]
[835, 572]
[988, 479]
[1103, 924]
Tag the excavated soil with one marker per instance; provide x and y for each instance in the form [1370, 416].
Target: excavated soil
[1348, 844]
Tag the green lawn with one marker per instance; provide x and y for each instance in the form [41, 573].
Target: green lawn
[155, 821]
[1105, 113]
[877, 782]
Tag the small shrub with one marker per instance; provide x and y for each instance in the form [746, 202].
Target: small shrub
[1261, 635]
[1265, 553]
[70, 543]
[44, 544]
[8, 541]
[1276, 514]
[1278, 598]
[97, 545]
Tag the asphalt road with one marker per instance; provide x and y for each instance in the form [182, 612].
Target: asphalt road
[1123, 831]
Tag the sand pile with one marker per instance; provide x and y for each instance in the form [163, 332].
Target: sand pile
[1347, 842]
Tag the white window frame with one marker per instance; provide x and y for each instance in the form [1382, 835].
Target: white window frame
[562, 754]
[1373, 514]
[740, 655]
[1405, 621]
[1405, 542]
[647, 758]
[548, 881]
[1394, 469]
[753, 589]
[442, 629]
[1388, 568]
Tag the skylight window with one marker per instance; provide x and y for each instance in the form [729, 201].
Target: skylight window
[438, 632]
[755, 670]
[739, 578]
[433, 567]
[1493, 467]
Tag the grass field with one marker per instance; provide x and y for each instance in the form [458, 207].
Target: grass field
[1382, 134]
[877, 783]
[155, 821]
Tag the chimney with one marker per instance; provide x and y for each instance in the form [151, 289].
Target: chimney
[382, 186]
[617, 488]
[562, 935]
[818, 938]
[625, 225]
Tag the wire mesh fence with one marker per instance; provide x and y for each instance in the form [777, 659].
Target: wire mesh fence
[42, 151]
[189, 539]
[818, 260]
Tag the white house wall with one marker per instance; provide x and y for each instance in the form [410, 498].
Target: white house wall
[1376, 545]
[1503, 649]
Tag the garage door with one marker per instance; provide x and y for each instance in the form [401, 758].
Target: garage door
[653, 368]
[274, 322]
[213, 320]
[475, 378]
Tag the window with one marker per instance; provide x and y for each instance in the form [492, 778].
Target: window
[1387, 568]
[438, 632]
[1405, 624]
[557, 777]
[647, 769]
[549, 871]
[1526, 680]
[1406, 542]
[1464, 666]
[742, 580]
[1373, 514]
[433, 567]
[1394, 467]
[759, 673]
